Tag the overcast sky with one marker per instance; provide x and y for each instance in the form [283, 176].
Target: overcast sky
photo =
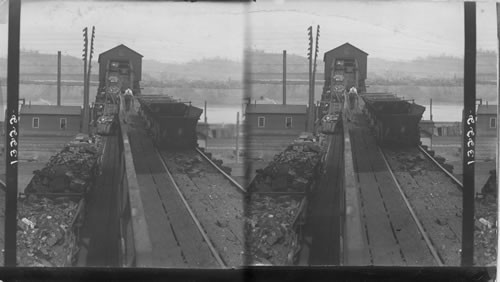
[180, 31]
[384, 29]
[168, 31]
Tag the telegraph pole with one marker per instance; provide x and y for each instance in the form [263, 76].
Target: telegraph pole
[237, 137]
[310, 122]
[85, 126]
[58, 78]
[87, 93]
[314, 75]
[284, 77]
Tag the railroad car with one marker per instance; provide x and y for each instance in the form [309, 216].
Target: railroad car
[395, 121]
[172, 123]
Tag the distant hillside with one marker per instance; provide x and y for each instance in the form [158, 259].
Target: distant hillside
[37, 66]
[265, 66]
[438, 68]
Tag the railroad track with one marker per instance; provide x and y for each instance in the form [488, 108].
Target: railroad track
[460, 185]
[420, 227]
[214, 202]
[228, 177]
[435, 214]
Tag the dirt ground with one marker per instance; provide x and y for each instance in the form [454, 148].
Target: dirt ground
[426, 189]
[218, 205]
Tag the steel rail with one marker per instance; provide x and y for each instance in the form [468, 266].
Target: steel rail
[441, 167]
[214, 251]
[420, 227]
[228, 177]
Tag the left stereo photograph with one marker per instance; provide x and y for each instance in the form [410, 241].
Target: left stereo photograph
[129, 134]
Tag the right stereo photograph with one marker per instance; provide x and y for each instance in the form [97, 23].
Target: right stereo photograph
[369, 139]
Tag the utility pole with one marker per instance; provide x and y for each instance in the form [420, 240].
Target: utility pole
[314, 75]
[58, 78]
[310, 122]
[432, 125]
[87, 94]
[206, 125]
[85, 126]
[237, 137]
[469, 132]
[431, 109]
[284, 77]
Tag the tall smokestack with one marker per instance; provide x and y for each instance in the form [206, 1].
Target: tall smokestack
[284, 77]
[58, 78]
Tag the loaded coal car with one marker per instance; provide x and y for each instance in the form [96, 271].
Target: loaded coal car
[172, 123]
[395, 121]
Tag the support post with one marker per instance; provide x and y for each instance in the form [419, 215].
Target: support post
[431, 109]
[469, 126]
[237, 137]
[58, 78]
[284, 77]
[206, 126]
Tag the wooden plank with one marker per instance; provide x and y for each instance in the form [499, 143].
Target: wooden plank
[166, 251]
[415, 250]
[102, 220]
[383, 245]
[195, 251]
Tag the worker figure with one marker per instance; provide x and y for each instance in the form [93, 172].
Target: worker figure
[129, 99]
[353, 96]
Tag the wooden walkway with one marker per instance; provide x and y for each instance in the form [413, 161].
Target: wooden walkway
[325, 217]
[100, 232]
[391, 234]
[177, 243]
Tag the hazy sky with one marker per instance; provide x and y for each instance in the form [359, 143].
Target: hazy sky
[384, 29]
[180, 31]
[168, 31]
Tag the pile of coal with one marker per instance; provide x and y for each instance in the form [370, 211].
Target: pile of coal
[73, 170]
[277, 205]
[486, 231]
[191, 166]
[292, 170]
[271, 234]
[45, 237]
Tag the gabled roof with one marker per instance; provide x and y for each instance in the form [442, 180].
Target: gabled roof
[349, 45]
[487, 109]
[275, 109]
[119, 46]
[50, 110]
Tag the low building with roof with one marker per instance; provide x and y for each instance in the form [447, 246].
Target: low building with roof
[46, 120]
[486, 120]
[275, 119]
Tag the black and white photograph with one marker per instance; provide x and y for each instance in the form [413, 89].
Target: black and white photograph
[128, 134]
[185, 135]
[354, 129]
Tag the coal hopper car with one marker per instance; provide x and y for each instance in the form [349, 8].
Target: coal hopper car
[395, 121]
[172, 123]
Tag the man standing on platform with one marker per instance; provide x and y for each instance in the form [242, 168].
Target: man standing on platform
[129, 99]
